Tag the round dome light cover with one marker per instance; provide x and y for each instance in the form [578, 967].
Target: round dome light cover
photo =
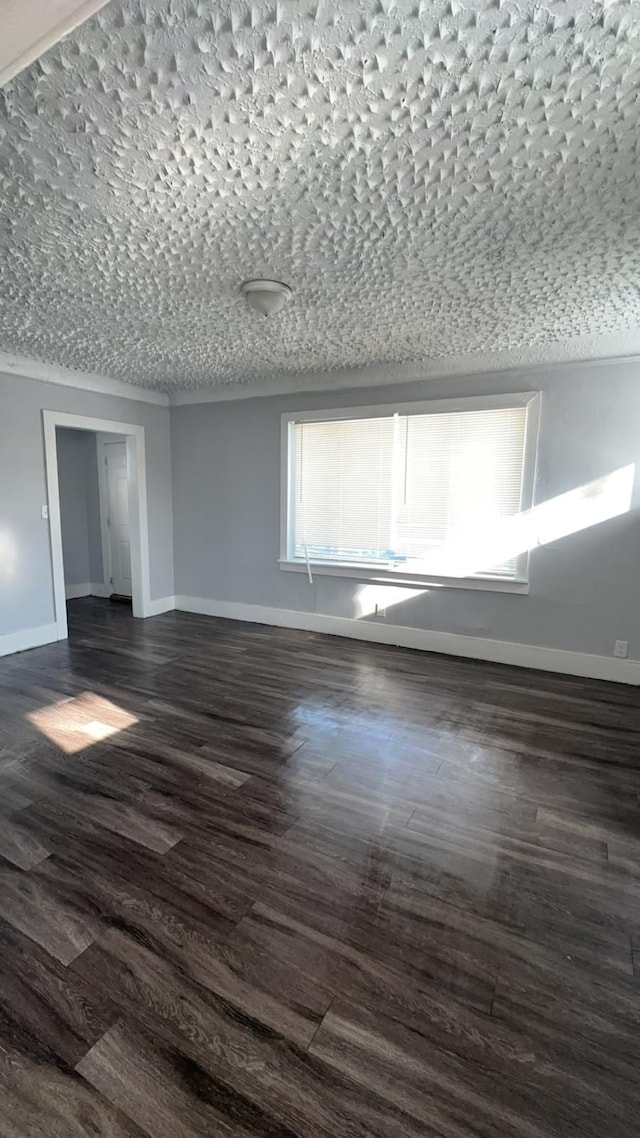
[266, 297]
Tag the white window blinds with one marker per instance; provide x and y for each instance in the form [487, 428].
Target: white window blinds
[422, 492]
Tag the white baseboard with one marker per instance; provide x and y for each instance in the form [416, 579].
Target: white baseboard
[163, 604]
[153, 608]
[474, 647]
[28, 638]
[72, 592]
[91, 589]
[100, 590]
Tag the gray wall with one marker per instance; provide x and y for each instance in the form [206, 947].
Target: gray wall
[226, 502]
[585, 588]
[26, 583]
[79, 507]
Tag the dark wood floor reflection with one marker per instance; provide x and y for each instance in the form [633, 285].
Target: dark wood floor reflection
[261, 882]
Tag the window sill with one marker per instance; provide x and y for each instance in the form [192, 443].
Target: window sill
[409, 580]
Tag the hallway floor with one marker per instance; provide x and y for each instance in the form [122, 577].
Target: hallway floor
[265, 882]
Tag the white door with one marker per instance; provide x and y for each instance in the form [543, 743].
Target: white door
[118, 518]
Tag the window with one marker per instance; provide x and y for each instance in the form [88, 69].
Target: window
[430, 490]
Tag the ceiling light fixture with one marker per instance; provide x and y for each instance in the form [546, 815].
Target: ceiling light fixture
[266, 297]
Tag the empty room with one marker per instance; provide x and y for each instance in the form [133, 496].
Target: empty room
[319, 569]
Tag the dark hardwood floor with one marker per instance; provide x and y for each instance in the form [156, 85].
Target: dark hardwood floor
[261, 882]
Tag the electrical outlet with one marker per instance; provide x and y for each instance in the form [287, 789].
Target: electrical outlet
[621, 649]
[380, 613]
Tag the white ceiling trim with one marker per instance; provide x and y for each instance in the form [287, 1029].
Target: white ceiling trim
[31, 27]
[625, 351]
[11, 364]
[581, 352]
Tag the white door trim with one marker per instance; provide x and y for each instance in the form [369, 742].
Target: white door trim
[138, 522]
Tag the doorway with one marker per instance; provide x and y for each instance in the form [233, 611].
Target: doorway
[80, 513]
[114, 513]
[125, 492]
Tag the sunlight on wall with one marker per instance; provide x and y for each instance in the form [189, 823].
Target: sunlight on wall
[382, 596]
[493, 543]
[8, 556]
[76, 723]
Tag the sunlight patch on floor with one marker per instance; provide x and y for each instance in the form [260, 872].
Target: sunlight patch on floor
[76, 723]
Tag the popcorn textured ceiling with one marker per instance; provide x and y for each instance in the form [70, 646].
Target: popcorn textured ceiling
[431, 177]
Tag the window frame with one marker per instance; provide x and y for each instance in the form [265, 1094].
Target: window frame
[531, 400]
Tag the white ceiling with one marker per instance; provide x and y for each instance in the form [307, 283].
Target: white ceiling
[442, 183]
[29, 27]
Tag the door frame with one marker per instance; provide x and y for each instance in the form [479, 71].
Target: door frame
[138, 519]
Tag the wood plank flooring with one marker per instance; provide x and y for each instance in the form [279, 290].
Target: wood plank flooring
[263, 882]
